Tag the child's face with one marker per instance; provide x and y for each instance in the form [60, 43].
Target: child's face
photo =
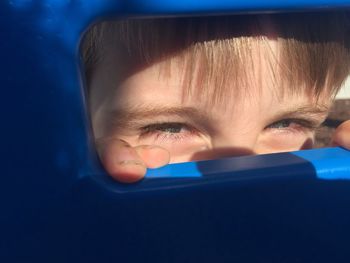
[148, 108]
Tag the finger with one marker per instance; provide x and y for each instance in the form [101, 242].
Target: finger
[341, 136]
[153, 156]
[121, 161]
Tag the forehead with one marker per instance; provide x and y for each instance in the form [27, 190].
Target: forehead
[217, 66]
[165, 83]
[190, 77]
[313, 47]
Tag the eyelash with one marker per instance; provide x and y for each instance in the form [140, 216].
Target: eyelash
[301, 125]
[159, 130]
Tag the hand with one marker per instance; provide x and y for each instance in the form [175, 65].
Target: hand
[341, 136]
[129, 164]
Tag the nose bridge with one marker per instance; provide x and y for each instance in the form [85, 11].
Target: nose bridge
[235, 143]
[237, 129]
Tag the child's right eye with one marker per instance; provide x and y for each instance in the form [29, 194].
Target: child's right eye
[168, 131]
[180, 139]
[164, 127]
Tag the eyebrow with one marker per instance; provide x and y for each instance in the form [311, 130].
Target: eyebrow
[312, 112]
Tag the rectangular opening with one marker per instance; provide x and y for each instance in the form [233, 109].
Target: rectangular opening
[202, 88]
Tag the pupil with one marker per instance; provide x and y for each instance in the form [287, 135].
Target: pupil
[282, 124]
[171, 128]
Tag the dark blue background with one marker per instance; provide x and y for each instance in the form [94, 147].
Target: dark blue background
[57, 204]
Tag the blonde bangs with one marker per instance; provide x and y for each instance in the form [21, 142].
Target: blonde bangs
[221, 56]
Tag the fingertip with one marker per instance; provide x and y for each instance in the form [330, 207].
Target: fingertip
[153, 156]
[122, 162]
[128, 171]
[341, 136]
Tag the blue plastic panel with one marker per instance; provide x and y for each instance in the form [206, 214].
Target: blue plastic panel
[330, 164]
[58, 205]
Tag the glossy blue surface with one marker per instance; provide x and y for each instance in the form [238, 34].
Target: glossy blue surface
[58, 205]
[329, 164]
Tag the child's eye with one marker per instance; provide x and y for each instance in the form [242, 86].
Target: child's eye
[292, 124]
[165, 127]
[181, 139]
[170, 130]
[280, 124]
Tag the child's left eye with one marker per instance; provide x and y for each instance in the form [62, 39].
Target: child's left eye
[292, 124]
[281, 124]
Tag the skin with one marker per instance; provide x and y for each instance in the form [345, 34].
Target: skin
[147, 122]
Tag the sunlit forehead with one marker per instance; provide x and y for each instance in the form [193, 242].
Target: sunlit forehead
[225, 71]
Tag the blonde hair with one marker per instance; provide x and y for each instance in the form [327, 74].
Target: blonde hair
[217, 51]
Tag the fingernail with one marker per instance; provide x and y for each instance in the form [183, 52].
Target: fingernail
[127, 156]
[131, 162]
[149, 147]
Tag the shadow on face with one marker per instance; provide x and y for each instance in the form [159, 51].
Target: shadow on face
[226, 152]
